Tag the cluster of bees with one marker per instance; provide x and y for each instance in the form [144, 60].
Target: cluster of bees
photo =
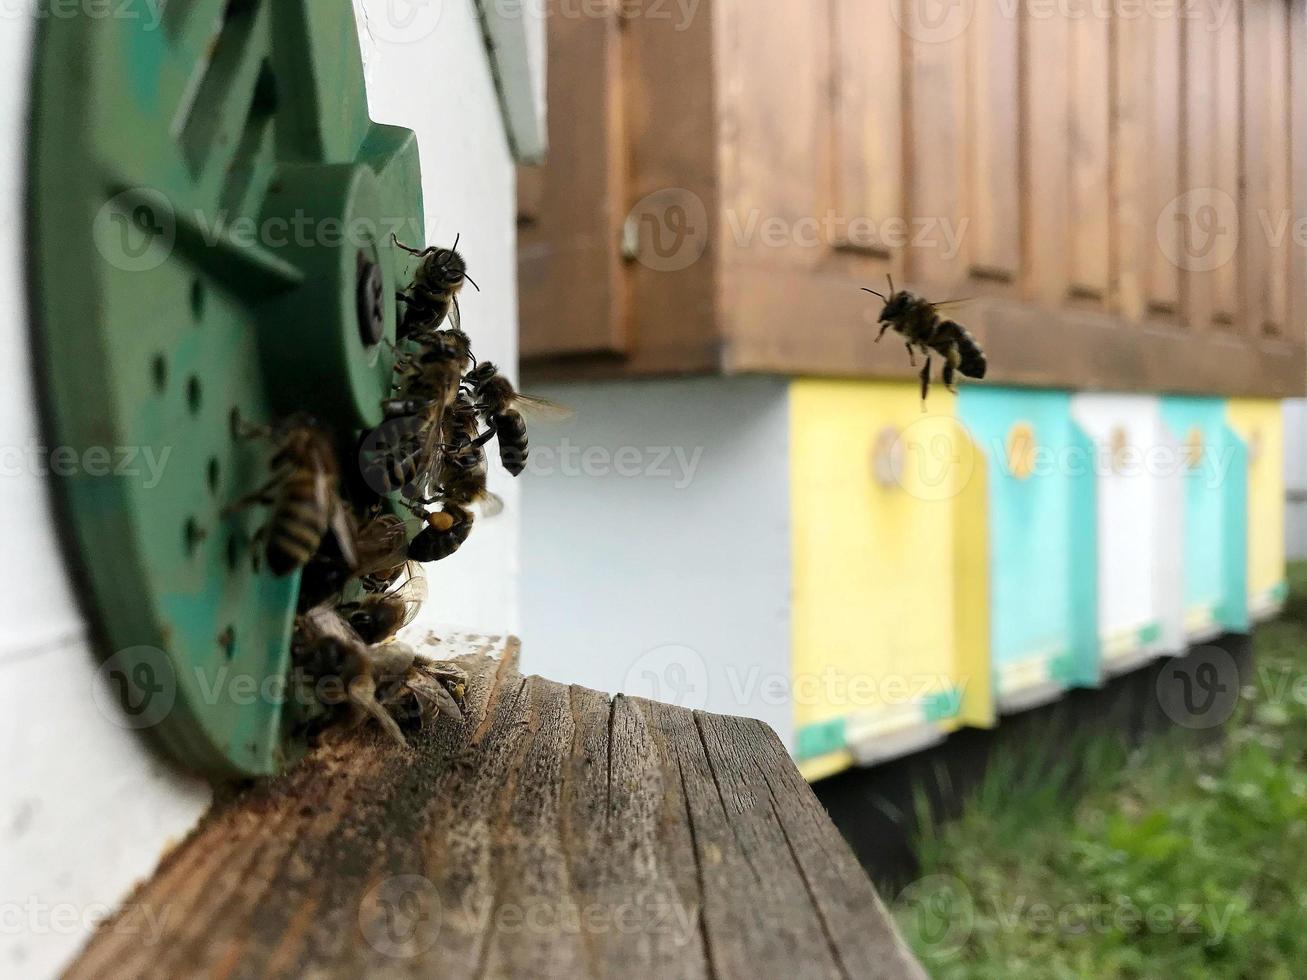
[362, 580]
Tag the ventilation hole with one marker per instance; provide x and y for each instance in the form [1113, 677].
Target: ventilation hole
[192, 535]
[234, 421]
[235, 545]
[227, 640]
[197, 300]
[194, 394]
[214, 473]
[159, 369]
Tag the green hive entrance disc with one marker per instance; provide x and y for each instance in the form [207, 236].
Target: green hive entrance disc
[210, 220]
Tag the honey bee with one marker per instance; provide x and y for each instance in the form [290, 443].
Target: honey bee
[303, 494]
[378, 617]
[446, 531]
[500, 406]
[921, 326]
[461, 483]
[382, 549]
[433, 296]
[382, 681]
[401, 453]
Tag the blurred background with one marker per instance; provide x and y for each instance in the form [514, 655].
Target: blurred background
[1036, 643]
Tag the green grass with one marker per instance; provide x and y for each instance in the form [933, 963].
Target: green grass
[1171, 860]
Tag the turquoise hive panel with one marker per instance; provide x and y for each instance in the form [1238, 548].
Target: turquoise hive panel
[1215, 470]
[1043, 542]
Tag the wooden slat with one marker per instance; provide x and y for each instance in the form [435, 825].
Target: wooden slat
[1046, 263]
[937, 184]
[1254, 248]
[1297, 326]
[1200, 148]
[1089, 151]
[994, 112]
[672, 155]
[776, 117]
[1131, 241]
[556, 833]
[1227, 298]
[569, 263]
[868, 121]
[1162, 290]
[1278, 224]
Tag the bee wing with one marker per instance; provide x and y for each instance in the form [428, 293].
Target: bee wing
[341, 521]
[382, 544]
[412, 591]
[432, 690]
[542, 409]
[455, 314]
[431, 447]
[952, 304]
[492, 505]
[324, 622]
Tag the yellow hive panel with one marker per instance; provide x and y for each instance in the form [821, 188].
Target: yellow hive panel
[880, 594]
[1259, 423]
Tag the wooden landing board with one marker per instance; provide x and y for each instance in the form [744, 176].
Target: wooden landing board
[556, 833]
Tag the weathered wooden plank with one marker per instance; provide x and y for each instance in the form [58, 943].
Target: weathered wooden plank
[937, 183]
[993, 118]
[1228, 79]
[1163, 161]
[1297, 327]
[868, 122]
[1254, 248]
[572, 244]
[1045, 138]
[1089, 152]
[555, 832]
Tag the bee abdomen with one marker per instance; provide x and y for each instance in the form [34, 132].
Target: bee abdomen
[436, 543]
[972, 363]
[510, 430]
[297, 526]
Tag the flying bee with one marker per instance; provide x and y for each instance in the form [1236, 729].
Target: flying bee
[378, 617]
[303, 494]
[433, 296]
[380, 680]
[501, 407]
[920, 324]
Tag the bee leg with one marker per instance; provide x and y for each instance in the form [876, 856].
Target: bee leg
[243, 429]
[263, 495]
[363, 694]
[951, 361]
[912, 358]
[925, 382]
[883, 327]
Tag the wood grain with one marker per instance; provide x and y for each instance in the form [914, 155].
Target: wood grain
[1076, 158]
[557, 832]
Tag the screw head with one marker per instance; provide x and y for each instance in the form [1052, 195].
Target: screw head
[371, 311]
